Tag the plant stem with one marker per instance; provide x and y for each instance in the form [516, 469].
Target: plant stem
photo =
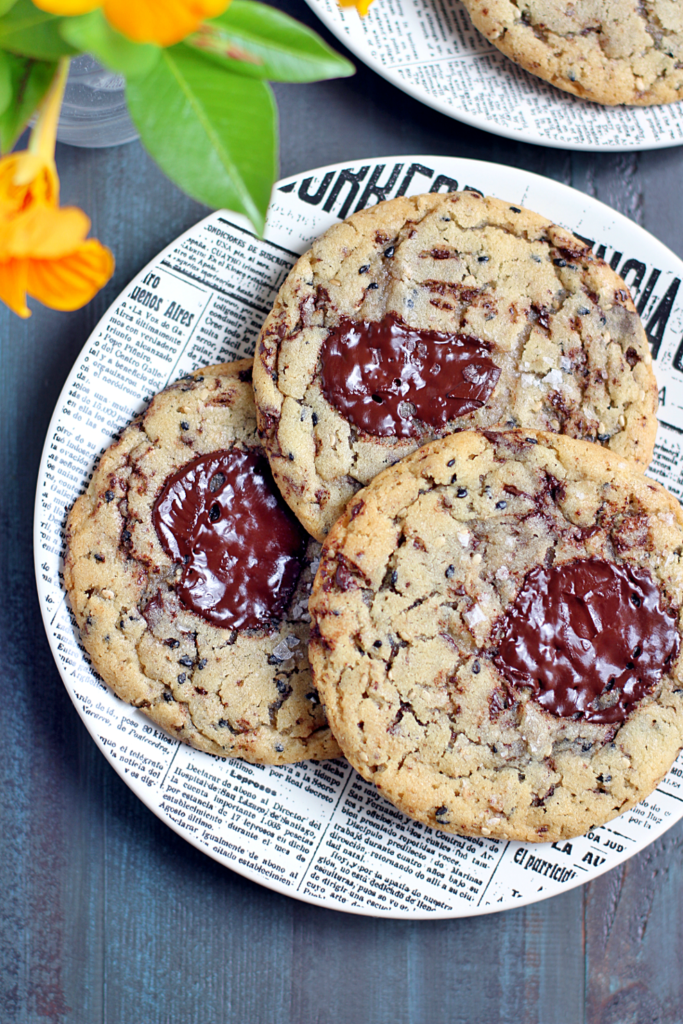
[44, 133]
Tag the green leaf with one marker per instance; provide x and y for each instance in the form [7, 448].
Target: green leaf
[261, 42]
[5, 80]
[5, 5]
[29, 80]
[32, 33]
[92, 33]
[214, 134]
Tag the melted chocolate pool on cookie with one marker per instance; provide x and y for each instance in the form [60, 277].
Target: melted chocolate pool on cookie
[222, 517]
[382, 376]
[590, 638]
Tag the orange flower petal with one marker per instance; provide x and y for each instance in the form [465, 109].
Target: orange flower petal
[363, 6]
[26, 178]
[43, 232]
[13, 276]
[43, 248]
[68, 7]
[70, 282]
[160, 21]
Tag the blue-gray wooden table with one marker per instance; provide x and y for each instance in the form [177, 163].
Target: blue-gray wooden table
[108, 916]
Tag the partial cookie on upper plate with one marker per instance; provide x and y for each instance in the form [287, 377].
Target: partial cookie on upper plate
[623, 51]
[427, 315]
[496, 634]
[189, 577]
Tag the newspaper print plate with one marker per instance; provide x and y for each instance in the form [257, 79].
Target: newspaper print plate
[317, 831]
[431, 51]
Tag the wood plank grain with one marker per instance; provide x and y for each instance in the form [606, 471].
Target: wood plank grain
[634, 935]
[662, 213]
[613, 178]
[186, 940]
[520, 966]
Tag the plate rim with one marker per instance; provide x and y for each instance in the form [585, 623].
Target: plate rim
[90, 725]
[479, 122]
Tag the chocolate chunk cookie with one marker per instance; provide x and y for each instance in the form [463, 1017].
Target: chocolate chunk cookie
[426, 315]
[496, 634]
[623, 51]
[189, 577]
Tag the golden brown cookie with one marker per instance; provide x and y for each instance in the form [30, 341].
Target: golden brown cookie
[623, 51]
[189, 577]
[426, 315]
[496, 634]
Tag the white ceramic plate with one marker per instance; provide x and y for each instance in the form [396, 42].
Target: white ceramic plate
[430, 50]
[317, 831]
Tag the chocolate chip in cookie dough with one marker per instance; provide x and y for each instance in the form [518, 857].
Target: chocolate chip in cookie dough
[588, 637]
[382, 376]
[221, 517]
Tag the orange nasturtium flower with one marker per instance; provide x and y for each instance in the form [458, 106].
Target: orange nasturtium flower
[363, 6]
[43, 247]
[144, 21]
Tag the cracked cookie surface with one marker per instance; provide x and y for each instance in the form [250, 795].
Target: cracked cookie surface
[626, 51]
[558, 324]
[233, 692]
[416, 584]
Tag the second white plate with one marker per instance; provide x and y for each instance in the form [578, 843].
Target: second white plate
[430, 50]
